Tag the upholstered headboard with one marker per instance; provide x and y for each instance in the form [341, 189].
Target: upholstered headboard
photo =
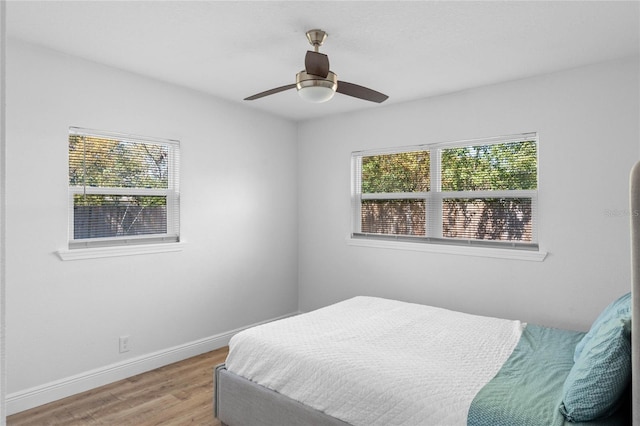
[634, 213]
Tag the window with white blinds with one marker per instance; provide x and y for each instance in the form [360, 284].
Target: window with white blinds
[123, 189]
[477, 192]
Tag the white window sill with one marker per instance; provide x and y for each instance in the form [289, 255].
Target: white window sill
[530, 255]
[131, 250]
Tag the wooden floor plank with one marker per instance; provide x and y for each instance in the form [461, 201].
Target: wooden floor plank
[173, 395]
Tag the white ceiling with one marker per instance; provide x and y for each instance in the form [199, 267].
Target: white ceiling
[407, 50]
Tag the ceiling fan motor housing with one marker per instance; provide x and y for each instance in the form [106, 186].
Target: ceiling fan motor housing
[316, 88]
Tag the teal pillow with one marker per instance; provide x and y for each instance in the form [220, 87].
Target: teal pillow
[601, 374]
[618, 309]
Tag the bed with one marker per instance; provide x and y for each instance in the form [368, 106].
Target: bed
[339, 365]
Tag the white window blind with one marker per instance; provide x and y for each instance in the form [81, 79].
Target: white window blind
[123, 189]
[478, 192]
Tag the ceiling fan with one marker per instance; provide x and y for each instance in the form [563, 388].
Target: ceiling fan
[316, 83]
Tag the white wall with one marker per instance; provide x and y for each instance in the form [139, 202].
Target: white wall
[3, 32]
[238, 219]
[588, 126]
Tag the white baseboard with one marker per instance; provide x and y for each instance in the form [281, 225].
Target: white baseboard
[52, 391]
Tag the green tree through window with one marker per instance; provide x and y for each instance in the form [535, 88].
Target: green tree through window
[484, 191]
[121, 187]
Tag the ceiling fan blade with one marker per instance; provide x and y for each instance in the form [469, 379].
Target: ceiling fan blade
[316, 63]
[360, 92]
[270, 92]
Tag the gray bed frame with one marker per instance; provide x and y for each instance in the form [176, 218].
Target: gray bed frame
[240, 402]
[245, 403]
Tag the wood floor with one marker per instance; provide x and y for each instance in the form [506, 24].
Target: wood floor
[177, 394]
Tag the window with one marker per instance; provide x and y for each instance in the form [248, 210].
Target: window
[480, 192]
[122, 189]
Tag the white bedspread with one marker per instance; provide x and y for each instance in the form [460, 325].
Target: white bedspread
[371, 361]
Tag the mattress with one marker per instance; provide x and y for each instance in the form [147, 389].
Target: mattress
[344, 360]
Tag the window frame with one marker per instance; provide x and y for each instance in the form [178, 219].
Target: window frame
[433, 204]
[114, 245]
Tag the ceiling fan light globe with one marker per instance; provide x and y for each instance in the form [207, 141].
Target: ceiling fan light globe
[316, 94]
[316, 89]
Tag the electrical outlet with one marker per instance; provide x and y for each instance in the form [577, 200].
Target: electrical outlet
[124, 344]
